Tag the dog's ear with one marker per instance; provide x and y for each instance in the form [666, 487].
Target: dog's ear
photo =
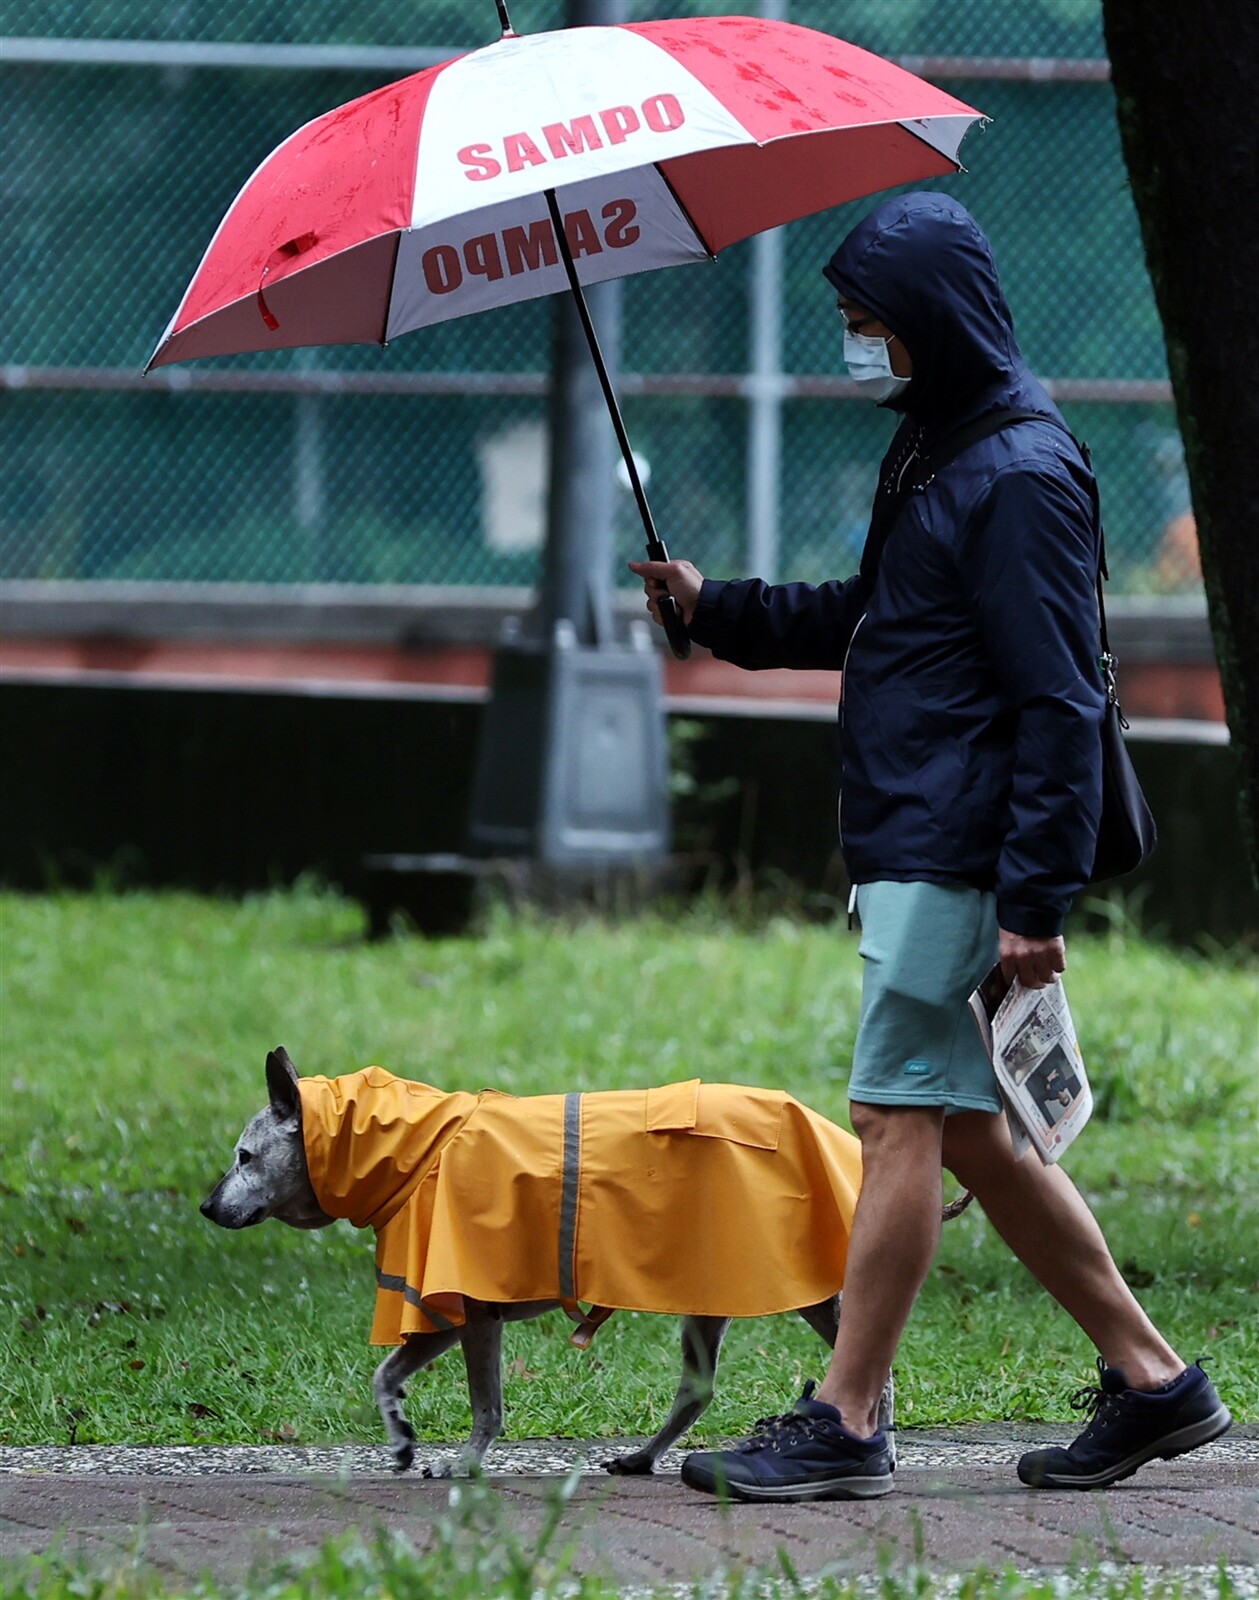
[282, 1083]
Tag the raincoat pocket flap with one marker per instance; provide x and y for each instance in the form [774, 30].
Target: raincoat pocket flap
[750, 1117]
[672, 1106]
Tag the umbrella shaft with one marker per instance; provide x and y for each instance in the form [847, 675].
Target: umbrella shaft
[504, 18]
[655, 545]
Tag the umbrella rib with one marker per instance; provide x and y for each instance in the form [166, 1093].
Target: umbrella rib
[954, 160]
[393, 273]
[681, 205]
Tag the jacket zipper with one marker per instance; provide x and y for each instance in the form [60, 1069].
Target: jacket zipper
[843, 695]
[902, 467]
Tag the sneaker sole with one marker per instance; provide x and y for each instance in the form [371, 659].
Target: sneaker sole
[1175, 1444]
[848, 1488]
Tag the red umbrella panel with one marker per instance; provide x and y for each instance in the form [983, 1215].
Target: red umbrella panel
[663, 142]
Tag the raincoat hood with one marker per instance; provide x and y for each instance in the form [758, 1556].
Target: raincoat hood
[924, 266]
[707, 1199]
[372, 1138]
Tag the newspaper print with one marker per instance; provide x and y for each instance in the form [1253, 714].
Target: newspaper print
[1038, 1063]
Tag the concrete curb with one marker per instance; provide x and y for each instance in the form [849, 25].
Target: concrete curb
[993, 1446]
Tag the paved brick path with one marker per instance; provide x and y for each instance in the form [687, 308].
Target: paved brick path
[956, 1492]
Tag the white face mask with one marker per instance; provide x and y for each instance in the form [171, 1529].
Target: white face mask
[870, 364]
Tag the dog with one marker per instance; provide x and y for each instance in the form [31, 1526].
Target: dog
[716, 1130]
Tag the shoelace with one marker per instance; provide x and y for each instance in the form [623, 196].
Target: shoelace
[1097, 1401]
[772, 1433]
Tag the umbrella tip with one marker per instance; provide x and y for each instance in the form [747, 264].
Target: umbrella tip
[505, 21]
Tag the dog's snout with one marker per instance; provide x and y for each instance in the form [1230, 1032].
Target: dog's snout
[206, 1207]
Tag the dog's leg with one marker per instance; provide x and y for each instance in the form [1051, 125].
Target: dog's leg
[823, 1318]
[482, 1337]
[389, 1387]
[701, 1347]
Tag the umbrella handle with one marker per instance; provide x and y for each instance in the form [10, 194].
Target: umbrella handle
[670, 616]
[674, 628]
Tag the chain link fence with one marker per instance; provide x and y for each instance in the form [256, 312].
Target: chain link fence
[129, 125]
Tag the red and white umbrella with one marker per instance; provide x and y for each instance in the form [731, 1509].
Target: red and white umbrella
[549, 162]
[663, 141]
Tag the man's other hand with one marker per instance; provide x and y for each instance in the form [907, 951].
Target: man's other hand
[678, 578]
[1036, 963]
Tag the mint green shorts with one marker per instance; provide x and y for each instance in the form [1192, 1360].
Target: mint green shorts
[926, 946]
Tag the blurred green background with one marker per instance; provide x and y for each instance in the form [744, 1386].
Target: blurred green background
[115, 177]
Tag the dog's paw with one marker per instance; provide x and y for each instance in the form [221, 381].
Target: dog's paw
[636, 1465]
[464, 1467]
[459, 1468]
[403, 1457]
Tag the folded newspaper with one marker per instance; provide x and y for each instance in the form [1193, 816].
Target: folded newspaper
[1036, 1057]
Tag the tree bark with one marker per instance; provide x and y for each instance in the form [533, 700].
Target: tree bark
[1186, 81]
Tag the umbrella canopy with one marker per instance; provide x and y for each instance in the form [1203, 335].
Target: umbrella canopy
[662, 143]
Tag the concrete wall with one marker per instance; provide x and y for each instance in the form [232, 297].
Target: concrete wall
[231, 790]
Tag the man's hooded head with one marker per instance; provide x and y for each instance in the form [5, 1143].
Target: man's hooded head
[924, 267]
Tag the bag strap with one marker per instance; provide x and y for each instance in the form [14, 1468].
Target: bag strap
[1107, 661]
[933, 462]
[952, 446]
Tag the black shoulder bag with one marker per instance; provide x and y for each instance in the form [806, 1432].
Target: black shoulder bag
[1126, 834]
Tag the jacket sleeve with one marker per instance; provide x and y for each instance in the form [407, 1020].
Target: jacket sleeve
[1029, 564]
[757, 625]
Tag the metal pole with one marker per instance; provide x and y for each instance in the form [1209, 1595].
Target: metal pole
[308, 474]
[765, 404]
[765, 386]
[576, 585]
[577, 576]
[676, 633]
[577, 563]
[572, 760]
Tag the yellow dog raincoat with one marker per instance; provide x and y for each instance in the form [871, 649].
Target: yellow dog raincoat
[702, 1198]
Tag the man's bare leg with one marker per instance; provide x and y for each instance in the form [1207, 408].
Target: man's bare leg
[895, 1231]
[1043, 1218]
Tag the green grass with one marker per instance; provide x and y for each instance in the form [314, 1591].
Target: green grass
[134, 1033]
[389, 1568]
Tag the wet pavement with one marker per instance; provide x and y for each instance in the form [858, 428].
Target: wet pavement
[957, 1506]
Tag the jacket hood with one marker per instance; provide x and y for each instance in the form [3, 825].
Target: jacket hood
[924, 266]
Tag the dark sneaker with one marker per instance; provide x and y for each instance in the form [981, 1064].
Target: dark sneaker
[1127, 1428]
[807, 1454]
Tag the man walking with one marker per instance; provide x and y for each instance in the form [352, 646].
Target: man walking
[970, 794]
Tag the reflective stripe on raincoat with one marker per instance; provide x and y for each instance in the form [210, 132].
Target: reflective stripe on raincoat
[707, 1199]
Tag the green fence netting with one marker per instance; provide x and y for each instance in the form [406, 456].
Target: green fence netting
[114, 177]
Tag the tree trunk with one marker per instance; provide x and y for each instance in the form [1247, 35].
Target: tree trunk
[1186, 83]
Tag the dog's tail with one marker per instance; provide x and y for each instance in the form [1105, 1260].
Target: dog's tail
[956, 1207]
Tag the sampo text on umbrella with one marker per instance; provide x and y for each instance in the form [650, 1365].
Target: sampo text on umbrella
[661, 113]
[529, 247]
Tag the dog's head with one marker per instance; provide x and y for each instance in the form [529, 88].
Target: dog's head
[268, 1177]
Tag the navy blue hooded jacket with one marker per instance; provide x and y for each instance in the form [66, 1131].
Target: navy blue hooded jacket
[972, 698]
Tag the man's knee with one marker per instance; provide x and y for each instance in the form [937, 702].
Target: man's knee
[888, 1131]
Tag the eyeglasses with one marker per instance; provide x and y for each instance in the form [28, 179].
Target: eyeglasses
[851, 326]
[856, 326]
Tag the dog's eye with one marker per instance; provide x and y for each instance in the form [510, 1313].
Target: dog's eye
[244, 1158]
